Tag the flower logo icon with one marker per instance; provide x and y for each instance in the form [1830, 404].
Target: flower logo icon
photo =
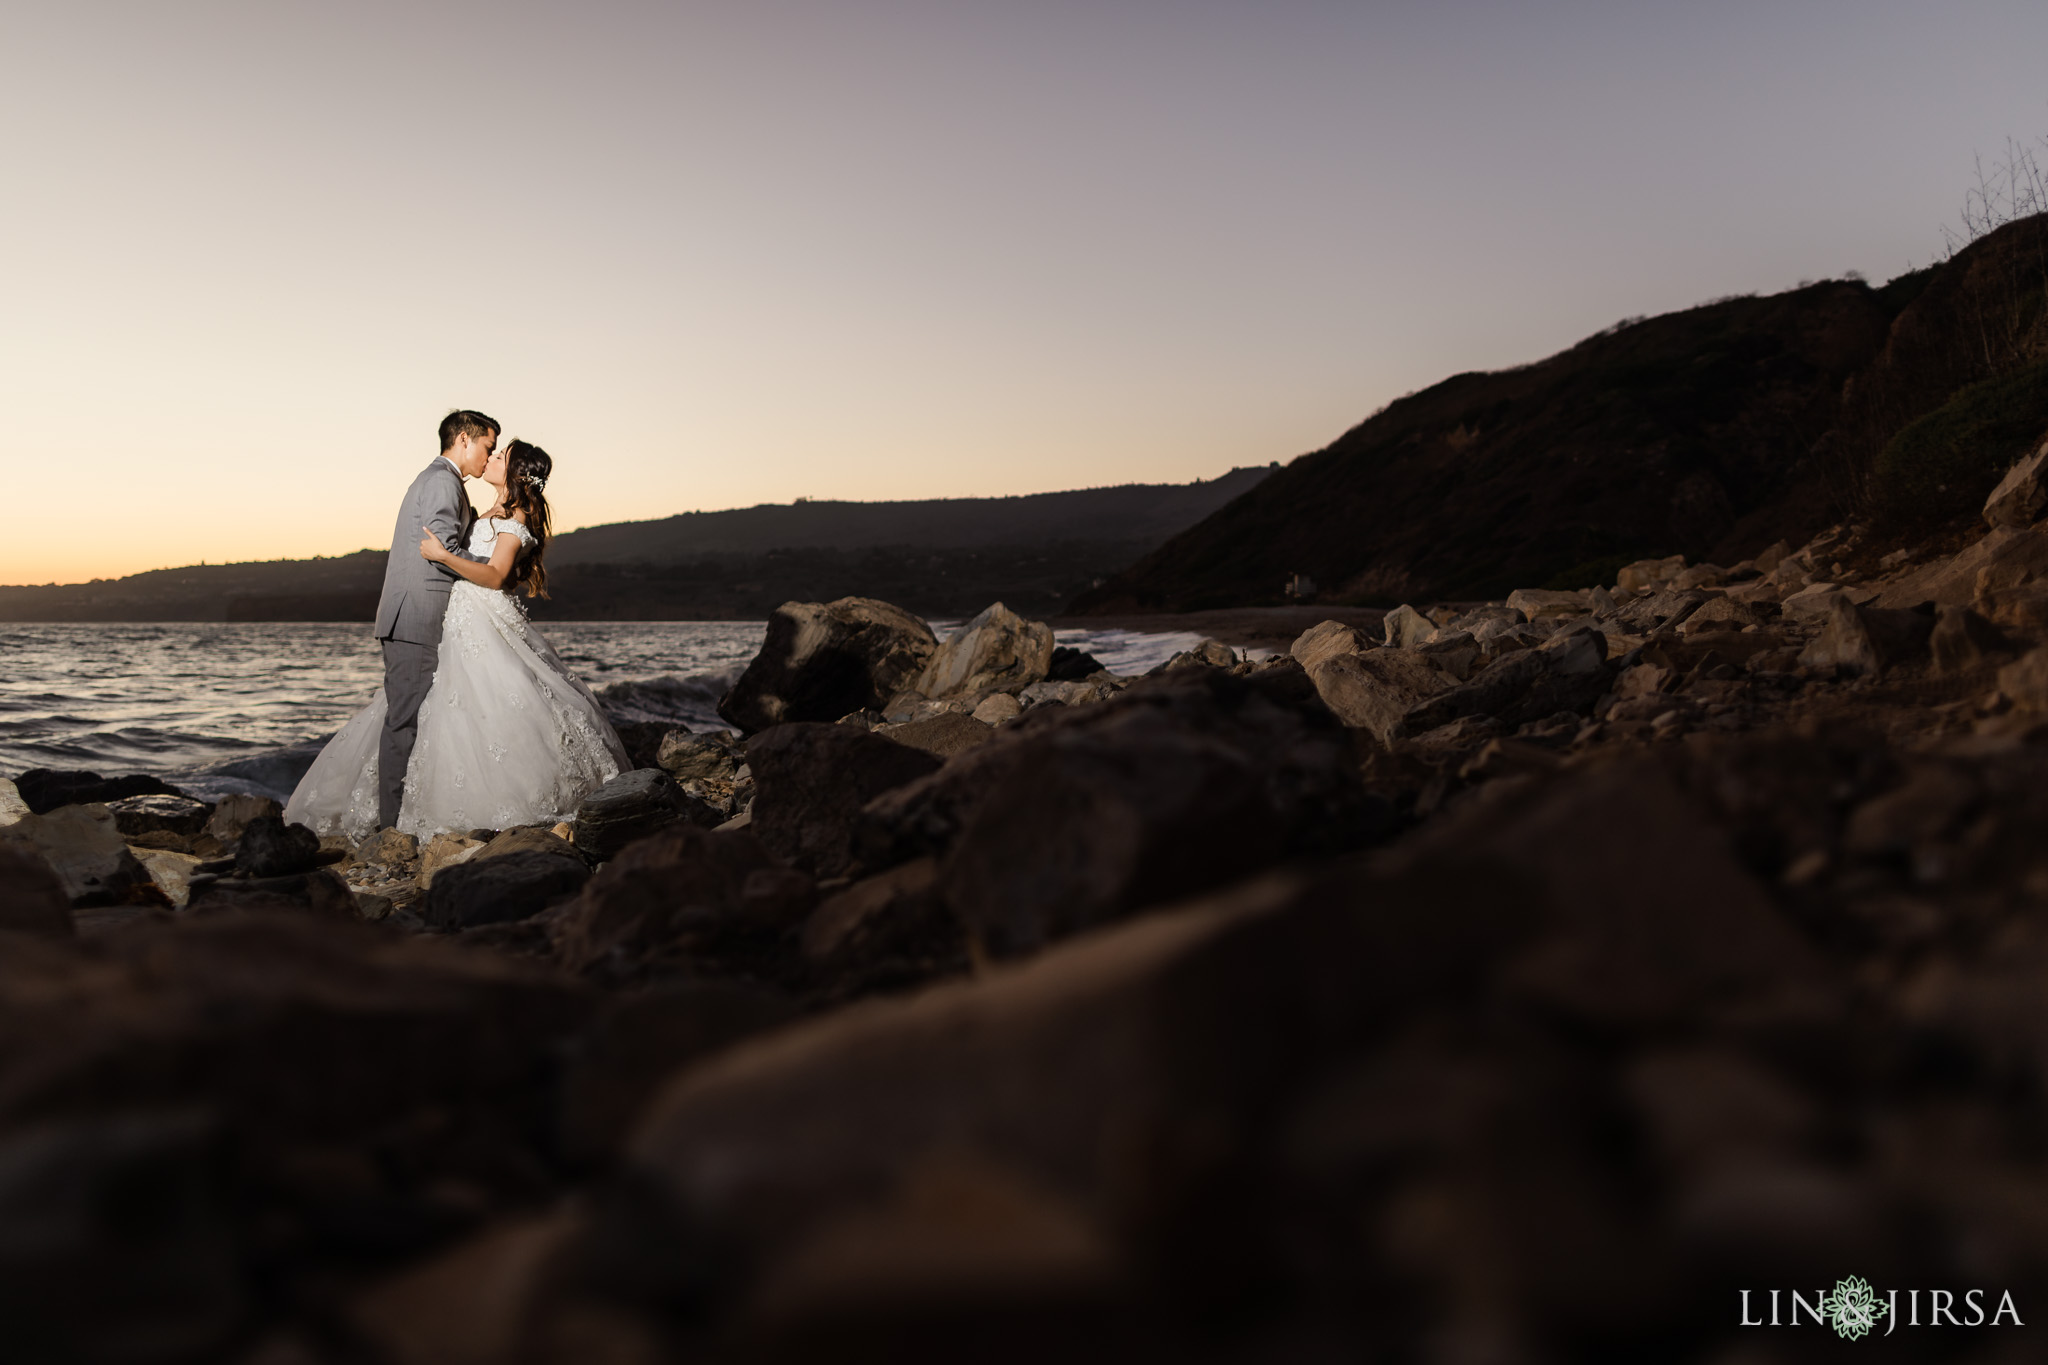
[1853, 1309]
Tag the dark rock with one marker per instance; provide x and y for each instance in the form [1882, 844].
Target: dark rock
[997, 650]
[1865, 641]
[1962, 640]
[137, 815]
[498, 889]
[319, 892]
[232, 814]
[810, 782]
[1207, 654]
[674, 898]
[271, 848]
[528, 839]
[2022, 495]
[1071, 665]
[120, 1243]
[713, 756]
[1090, 827]
[643, 740]
[945, 735]
[1272, 723]
[886, 931]
[32, 897]
[45, 789]
[819, 661]
[632, 806]
[643, 1038]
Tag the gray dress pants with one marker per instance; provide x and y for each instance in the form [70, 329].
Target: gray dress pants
[408, 675]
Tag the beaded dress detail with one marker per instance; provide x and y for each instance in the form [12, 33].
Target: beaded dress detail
[506, 736]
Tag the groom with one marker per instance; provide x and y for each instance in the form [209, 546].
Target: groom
[416, 592]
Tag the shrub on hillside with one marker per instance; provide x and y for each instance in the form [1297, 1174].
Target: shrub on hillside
[1941, 467]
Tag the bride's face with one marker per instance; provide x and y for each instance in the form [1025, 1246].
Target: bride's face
[494, 470]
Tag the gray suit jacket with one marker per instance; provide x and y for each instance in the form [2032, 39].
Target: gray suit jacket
[415, 591]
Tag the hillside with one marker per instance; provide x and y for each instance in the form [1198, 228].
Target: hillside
[1708, 432]
[943, 557]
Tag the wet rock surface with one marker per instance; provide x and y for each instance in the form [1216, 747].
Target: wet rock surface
[1523, 985]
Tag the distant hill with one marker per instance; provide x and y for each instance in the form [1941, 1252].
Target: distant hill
[1131, 514]
[943, 557]
[1709, 432]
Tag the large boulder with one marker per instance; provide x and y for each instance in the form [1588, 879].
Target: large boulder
[1330, 638]
[271, 848]
[997, 650]
[820, 661]
[1373, 690]
[1535, 602]
[503, 888]
[158, 814]
[810, 782]
[713, 756]
[84, 847]
[632, 806]
[2022, 495]
[1404, 628]
[46, 789]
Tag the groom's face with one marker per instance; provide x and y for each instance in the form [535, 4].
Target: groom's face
[472, 453]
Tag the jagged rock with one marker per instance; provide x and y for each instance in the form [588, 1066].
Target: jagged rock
[1665, 607]
[810, 782]
[2022, 495]
[84, 848]
[1320, 642]
[1721, 613]
[998, 650]
[271, 848]
[1770, 558]
[2025, 682]
[320, 892]
[1567, 673]
[996, 708]
[1207, 654]
[33, 899]
[1456, 653]
[1699, 576]
[171, 870]
[632, 806]
[135, 815]
[1867, 640]
[1648, 573]
[1071, 665]
[446, 849]
[1052, 692]
[1403, 628]
[45, 790]
[679, 890]
[1644, 680]
[639, 1041]
[711, 756]
[1537, 602]
[945, 734]
[527, 839]
[232, 814]
[2011, 583]
[1372, 691]
[511, 885]
[1813, 603]
[819, 661]
[1962, 640]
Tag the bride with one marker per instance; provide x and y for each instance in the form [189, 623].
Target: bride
[506, 736]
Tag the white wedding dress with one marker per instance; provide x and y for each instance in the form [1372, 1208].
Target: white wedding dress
[506, 736]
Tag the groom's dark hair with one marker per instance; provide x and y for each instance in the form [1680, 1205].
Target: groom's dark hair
[463, 422]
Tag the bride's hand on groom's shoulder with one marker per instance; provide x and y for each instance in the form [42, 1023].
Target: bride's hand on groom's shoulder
[431, 549]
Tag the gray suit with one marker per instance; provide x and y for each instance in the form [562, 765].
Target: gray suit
[409, 617]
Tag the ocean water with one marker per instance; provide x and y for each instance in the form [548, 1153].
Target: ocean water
[220, 708]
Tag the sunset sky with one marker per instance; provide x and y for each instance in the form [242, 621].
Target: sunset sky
[718, 254]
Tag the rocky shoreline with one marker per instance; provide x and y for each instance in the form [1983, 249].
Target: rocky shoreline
[1484, 982]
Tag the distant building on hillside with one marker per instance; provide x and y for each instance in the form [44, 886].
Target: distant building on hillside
[1300, 587]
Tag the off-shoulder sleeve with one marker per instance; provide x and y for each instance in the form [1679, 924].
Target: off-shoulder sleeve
[508, 526]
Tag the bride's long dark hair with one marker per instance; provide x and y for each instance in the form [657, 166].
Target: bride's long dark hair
[527, 468]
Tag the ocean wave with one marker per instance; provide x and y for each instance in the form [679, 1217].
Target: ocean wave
[668, 700]
[273, 773]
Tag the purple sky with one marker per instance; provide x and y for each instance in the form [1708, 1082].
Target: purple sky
[713, 255]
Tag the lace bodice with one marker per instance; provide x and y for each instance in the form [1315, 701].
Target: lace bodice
[483, 538]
